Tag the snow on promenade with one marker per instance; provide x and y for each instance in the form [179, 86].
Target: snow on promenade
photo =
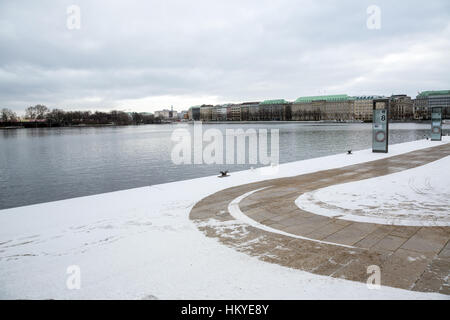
[414, 197]
[140, 244]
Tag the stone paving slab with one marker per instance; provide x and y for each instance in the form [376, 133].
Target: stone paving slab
[428, 240]
[413, 258]
[376, 236]
[389, 243]
[352, 233]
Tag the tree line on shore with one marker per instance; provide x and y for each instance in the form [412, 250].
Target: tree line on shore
[40, 115]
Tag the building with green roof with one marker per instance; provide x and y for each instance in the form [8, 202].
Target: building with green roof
[275, 110]
[329, 98]
[363, 107]
[328, 107]
[276, 101]
[426, 100]
[434, 93]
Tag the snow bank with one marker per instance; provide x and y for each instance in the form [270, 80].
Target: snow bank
[140, 244]
[414, 197]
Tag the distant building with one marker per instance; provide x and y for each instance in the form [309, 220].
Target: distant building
[340, 107]
[194, 113]
[159, 114]
[306, 110]
[222, 114]
[420, 105]
[215, 112]
[206, 112]
[363, 107]
[219, 113]
[275, 110]
[229, 112]
[251, 111]
[330, 107]
[401, 107]
[236, 110]
[428, 99]
[166, 114]
[183, 115]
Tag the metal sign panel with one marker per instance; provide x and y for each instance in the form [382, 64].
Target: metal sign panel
[380, 126]
[436, 124]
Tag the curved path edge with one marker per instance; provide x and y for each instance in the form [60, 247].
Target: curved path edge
[261, 219]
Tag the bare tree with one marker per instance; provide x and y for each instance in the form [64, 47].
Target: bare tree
[41, 111]
[30, 113]
[7, 115]
[56, 116]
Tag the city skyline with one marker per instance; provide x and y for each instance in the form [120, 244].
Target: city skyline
[342, 107]
[179, 109]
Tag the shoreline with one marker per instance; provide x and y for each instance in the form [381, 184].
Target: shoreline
[32, 126]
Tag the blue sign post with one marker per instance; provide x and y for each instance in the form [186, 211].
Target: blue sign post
[436, 124]
[380, 125]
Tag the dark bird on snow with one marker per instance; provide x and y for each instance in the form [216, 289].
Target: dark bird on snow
[223, 174]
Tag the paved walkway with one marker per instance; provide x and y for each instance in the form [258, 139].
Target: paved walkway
[277, 231]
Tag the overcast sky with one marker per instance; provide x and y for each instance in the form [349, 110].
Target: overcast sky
[147, 55]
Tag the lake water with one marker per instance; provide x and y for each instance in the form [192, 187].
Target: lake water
[48, 164]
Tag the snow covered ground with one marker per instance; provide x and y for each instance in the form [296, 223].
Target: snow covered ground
[140, 244]
[414, 197]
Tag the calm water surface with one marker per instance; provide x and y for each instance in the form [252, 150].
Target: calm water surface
[48, 164]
